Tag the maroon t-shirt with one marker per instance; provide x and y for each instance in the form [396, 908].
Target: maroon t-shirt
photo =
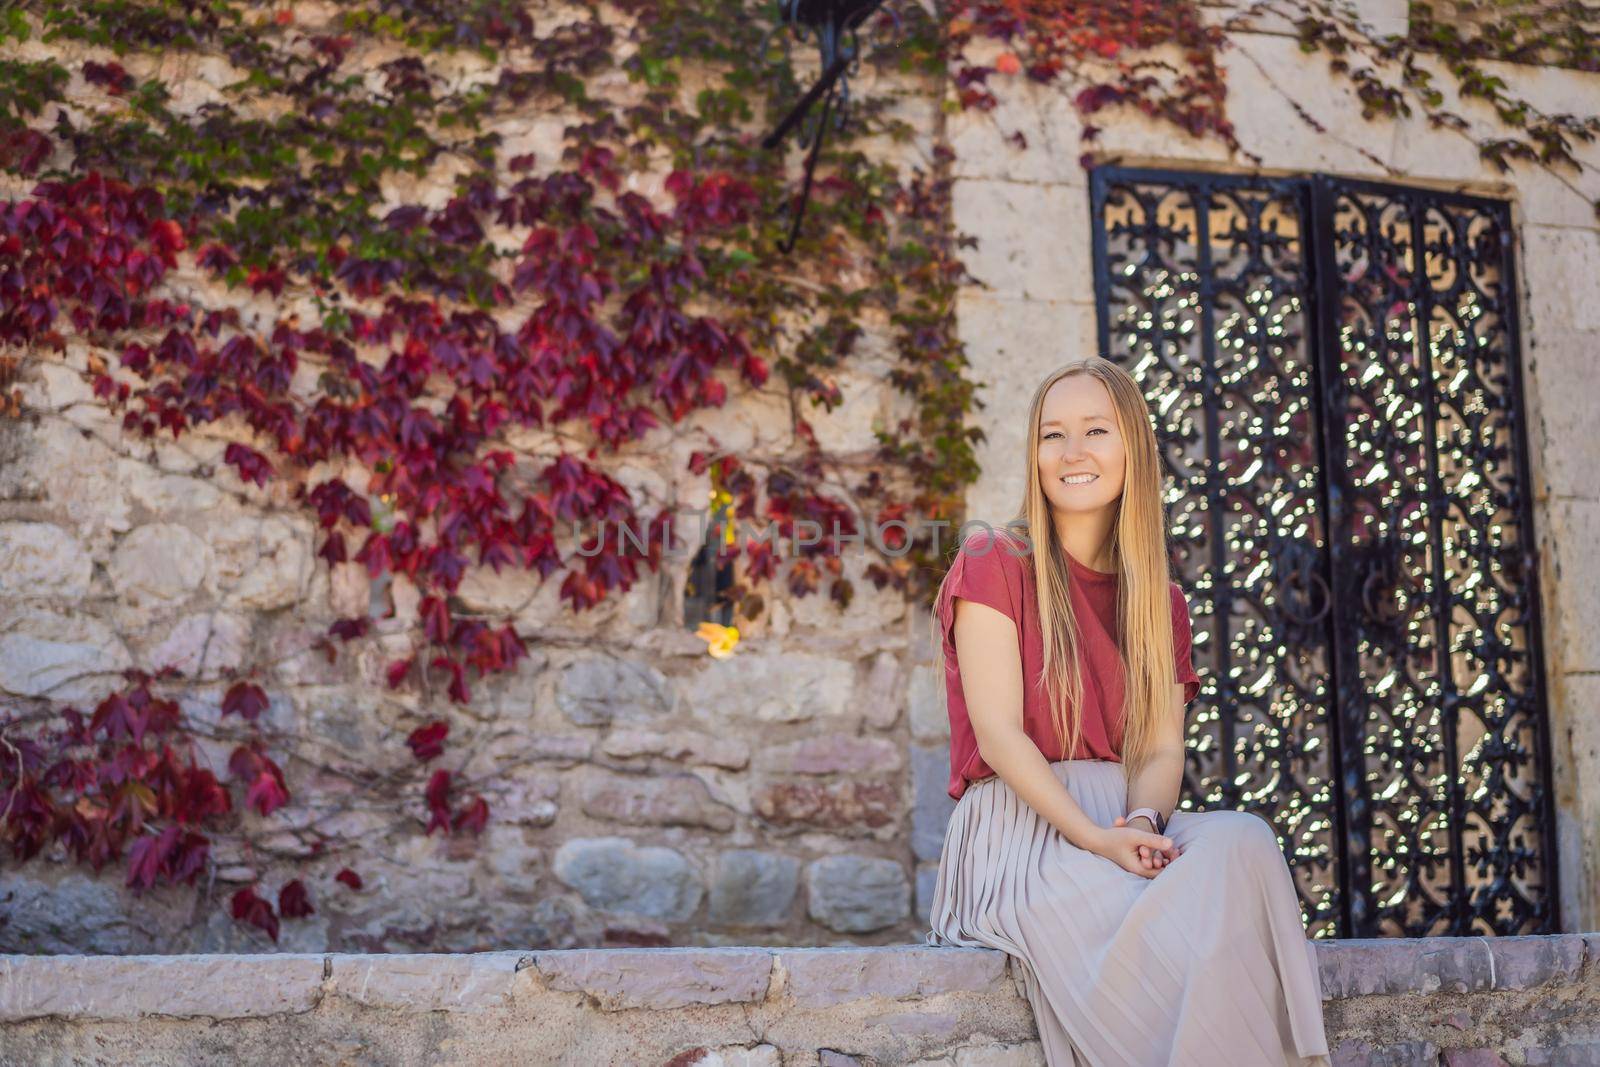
[988, 571]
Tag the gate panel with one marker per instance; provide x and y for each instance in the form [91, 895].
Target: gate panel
[1202, 286]
[1341, 357]
[1446, 757]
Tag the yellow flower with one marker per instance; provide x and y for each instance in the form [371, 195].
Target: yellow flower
[719, 639]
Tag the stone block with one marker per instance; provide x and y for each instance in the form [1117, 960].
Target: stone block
[664, 800]
[1527, 962]
[883, 695]
[927, 880]
[831, 754]
[597, 690]
[931, 801]
[1022, 1054]
[1566, 453]
[428, 981]
[1473, 1057]
[529, 799]
[508, 853]
[857, 894]
[929, 719]
[207, 641]
[53, 911]
[1551, 255]
[1559, 200]
[1571, 616]
[125, 988]
[1359, 1053]
[753, 888]
[852, 423]
[1044, 118]
[40, 559]
[613, 874]
[762, 1055]
[1032, 239]
[1568, 1053]
[1270, 72]
[851, 806]
[167, 495]
[158, 565]
[823, 977]
[262, 562]
[762, 687]
[685, 746]
[75, 475]
[658, 978]
[66, 657]
[933, 1028]
[507, 592]
[1366, 966]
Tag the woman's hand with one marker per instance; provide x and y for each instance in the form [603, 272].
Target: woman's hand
[1137, 851]
[1158, 857]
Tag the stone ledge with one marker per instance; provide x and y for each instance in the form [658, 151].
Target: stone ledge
[133, 987]
[1419, 999]
[1391, 966]
[249, 986]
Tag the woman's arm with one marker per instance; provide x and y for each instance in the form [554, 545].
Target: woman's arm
[1157, 784]
[991, 681]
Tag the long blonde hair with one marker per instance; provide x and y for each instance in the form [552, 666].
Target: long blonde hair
[1139, 548]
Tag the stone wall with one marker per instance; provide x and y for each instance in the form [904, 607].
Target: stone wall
[1430, 1002]
[641, 792]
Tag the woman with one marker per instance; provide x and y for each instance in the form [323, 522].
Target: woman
[1145, 936]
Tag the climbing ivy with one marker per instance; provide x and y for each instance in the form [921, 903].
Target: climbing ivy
[597, 292]
[1105, 48]
[542, 293]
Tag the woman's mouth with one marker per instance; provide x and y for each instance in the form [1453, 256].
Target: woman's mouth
[1079, 479]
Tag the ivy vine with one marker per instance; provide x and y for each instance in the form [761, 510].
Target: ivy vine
[596, 296]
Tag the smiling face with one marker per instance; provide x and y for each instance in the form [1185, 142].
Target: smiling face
[1081, 450]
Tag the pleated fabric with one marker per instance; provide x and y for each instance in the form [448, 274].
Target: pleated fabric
[1205, 965]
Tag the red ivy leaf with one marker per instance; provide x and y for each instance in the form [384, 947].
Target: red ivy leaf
[436, 619]
[293, 902]
[428, 741]
[149, 856]
[253, 466]
[473, 816]
[333, 549]
[246, 700]
[349, 878]
[350, 629]
[438, 797]
[396, 673]
[267, 793]
[247, 907]
[458, 678]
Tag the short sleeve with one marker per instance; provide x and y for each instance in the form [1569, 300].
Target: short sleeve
[1183, 645]
[985, 571]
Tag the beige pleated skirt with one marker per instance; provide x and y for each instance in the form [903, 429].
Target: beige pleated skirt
[1205, 965]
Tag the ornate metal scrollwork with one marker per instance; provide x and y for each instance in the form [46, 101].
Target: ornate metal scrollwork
[1334, 367]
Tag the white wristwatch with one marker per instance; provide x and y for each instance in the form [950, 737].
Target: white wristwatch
[1150, 813]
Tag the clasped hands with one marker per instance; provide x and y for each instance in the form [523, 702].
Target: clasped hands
[1134, 848]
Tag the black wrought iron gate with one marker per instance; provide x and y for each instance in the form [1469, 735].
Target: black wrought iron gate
[1335, 371]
